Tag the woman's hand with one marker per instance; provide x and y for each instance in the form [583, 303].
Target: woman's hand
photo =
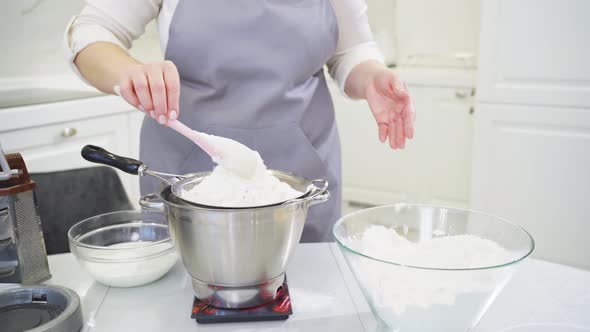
[392, 107]
[152, 88]
[388, 98]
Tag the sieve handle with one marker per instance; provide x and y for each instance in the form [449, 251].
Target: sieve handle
[96, 154]
[152, 202]
[319, 193]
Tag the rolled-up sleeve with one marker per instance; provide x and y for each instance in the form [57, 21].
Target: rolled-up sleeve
[355, 41]
[113, 21]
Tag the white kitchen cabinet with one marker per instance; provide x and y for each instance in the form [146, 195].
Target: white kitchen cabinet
[532, 166]
[51, 136]
[531, 160]
[535, 52]
[449, 127]
[57, 147]
[434, 33]
[434, 167]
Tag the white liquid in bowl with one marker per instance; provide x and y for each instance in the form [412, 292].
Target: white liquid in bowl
[128, 268]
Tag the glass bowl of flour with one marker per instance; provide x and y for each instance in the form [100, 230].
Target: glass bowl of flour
[428, 268]
[124, 248]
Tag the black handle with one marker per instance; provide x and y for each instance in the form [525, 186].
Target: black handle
[96, 154]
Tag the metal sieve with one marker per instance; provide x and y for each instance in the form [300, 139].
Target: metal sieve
[180, 183]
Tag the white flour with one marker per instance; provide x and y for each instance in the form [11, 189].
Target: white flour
[223, 188]
[240, 180]
[395, 291]
[129, 268]
[450, 252]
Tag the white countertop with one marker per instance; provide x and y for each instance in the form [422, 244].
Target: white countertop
[325, 297]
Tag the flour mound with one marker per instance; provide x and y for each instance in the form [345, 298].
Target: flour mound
[223, 188]
[395, 290]
[446, 252]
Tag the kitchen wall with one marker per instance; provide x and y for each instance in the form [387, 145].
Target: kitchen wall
[32, 35]
[429, 33]
[410, 33]
[381, 19]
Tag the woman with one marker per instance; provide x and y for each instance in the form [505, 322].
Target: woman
[250, 70]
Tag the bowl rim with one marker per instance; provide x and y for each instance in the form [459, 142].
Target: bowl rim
[148, 244]
[163, 194]
[397, 205]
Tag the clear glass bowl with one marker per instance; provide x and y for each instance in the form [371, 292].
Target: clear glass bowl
[124, 248]
[409, 297]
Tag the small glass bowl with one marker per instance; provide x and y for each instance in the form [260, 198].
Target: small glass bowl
[124, 248]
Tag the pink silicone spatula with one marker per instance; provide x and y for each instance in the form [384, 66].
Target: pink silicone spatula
[231, 155]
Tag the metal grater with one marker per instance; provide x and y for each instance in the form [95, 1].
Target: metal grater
[23, 258]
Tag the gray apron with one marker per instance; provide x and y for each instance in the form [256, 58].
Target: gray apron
[251, 70]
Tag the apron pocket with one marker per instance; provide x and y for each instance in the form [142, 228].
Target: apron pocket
[284, 148]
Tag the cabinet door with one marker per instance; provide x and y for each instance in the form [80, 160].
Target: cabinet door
[450, 140]
[532, 166]
[535, 52]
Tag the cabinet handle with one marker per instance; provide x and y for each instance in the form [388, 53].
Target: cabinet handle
[69, 132]
[461, 94]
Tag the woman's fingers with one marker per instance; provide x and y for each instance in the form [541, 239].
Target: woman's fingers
[380, 113]
[383, 132]
[408, 115]
[127, 92]
[142, 90]
[172, 82]
[153, 89]
[158, 93]
[409, 119]
[400, 139]
[398, 92]
[392, 135]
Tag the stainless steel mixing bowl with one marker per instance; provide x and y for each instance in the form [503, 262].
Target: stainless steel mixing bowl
[237, 256]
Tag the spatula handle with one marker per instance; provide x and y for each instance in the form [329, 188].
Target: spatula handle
[198, 138]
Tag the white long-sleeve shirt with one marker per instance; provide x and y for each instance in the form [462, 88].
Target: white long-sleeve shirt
[121, 22]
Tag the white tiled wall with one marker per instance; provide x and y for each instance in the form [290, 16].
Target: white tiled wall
[31, 32]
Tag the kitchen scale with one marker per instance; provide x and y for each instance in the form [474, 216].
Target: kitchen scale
[279, 309]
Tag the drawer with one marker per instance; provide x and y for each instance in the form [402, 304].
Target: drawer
[57, 146]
